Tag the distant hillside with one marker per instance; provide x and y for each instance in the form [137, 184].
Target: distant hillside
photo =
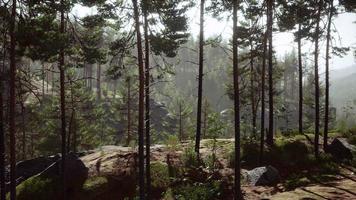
[343, 87]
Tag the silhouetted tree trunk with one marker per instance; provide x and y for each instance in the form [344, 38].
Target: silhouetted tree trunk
[180, 122]
[205, 118]
[237, 193]
[2, 130]
[316, 74]
[62, 108]
[269, 138]
[147, 102]
[12, 108]
[300, 70]
[253, 99]
[326, 119]
[200, 77]
[140, 103]
[263, 87]
[128, 104]
[98, 82]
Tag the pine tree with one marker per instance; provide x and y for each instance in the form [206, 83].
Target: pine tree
[12, 109]
[200, 78]
[141, 102]
[237, 194]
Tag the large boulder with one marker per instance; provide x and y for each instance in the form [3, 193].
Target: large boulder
[28, 168]
[262, 176]
[118, 165]
[340, 149]
[48, 183]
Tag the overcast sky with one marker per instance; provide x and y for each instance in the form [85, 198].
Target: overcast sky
[282, 42]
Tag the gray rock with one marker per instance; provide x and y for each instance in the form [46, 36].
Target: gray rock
[340, 149]
[261, 176]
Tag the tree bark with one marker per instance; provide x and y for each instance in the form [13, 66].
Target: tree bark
[317, 89]
[12, 109]
[237, 193]
[128, 139]
[141, 103]
[2, 131]
[200, 78]
[147, 104]
[269, 138]
[253, 99]
[300, 70]
[98, 82]
[62, 106]
[326, 119]
[263, 87]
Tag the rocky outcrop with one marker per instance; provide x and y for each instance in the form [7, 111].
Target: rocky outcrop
[340, 149]
[262, 176]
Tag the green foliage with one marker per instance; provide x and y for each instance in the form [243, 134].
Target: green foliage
[295, 181]
[160, 175]
[38, 188]
[172, 142]
[197, 191]
[92, 184]
[190, 158]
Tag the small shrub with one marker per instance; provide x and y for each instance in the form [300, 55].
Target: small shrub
[198, 191]
[352, 139]
[295, 181]
[159, 175]
[190, 158]
[172, 143]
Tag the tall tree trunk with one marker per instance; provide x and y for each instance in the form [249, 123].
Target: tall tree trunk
[140, 103]
[253, 99]
[237, 193]
[2, 131]
[62, 108]
[269, 138]
[317, 89]
[326, 119]
[180, 122]
[263, 87]
[200, 77]
[147, 102]
[128, 139]
[98, 82]
[12, 109]
[23, 130]
[300, 70]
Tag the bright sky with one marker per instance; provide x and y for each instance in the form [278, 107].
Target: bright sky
[282, 42]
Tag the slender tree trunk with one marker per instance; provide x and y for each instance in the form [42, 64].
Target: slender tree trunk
[180, 122]
[2, 131]
[62, 108]
[263, 88]
[205, 119]
[128, 139]
[237, 193]
[326, 119]
[147, 106]
[23, 130]
[141, 103]
[317, 89]
[200, 77]
[269, 138]
[300, 70]
[43, 80]
[12, 109]
[253, 99]
[98, 82]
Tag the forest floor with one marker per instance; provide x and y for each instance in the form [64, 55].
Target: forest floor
[340, 185]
